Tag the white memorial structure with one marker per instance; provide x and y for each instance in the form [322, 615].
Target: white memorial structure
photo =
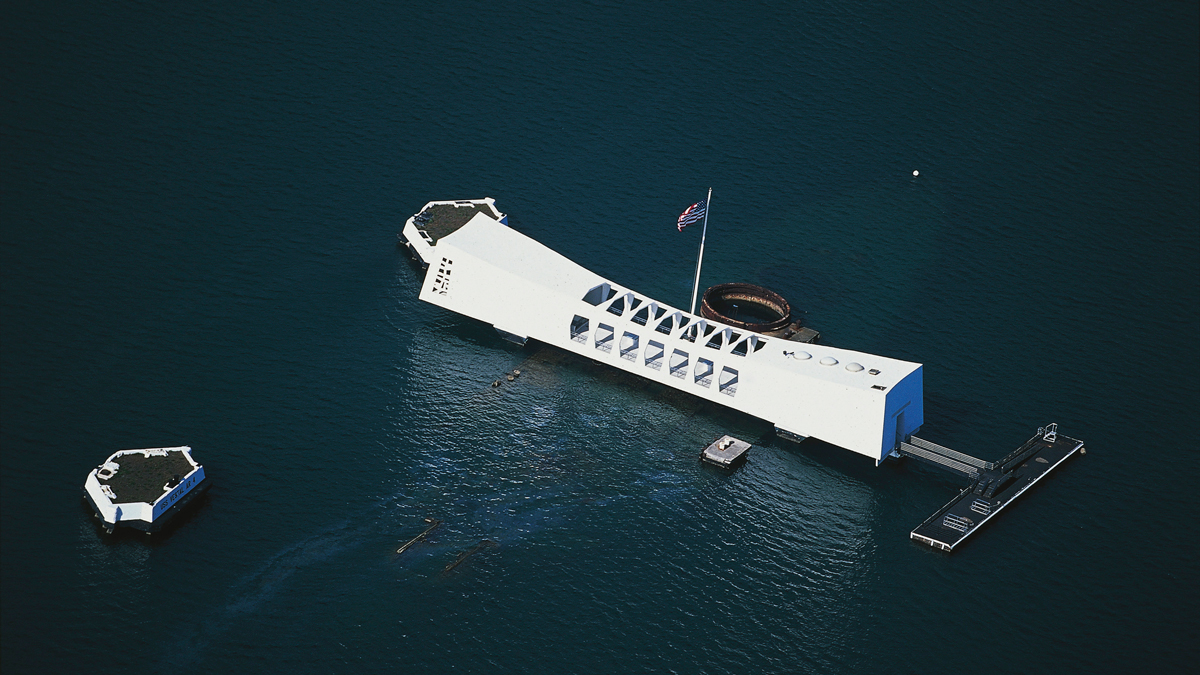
[485, 270]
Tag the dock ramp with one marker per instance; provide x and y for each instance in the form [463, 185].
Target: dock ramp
[952, 460]
[952, 454]
[942, 461]
[994, 485]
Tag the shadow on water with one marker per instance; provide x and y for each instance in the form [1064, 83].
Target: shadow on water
[542, 362]
[527, 481]
[257, 588]
[439, 548]
[127, 535]
[548, 366]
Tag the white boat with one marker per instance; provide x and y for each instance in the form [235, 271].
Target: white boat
[144, 489]
[480, 267]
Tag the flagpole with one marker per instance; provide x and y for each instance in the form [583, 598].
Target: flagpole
[700, 258]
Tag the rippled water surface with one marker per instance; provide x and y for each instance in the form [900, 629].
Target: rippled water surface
[199, 206]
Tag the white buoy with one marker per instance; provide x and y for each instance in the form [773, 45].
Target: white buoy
[916, 173]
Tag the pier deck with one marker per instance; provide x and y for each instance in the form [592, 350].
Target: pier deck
[143, 478]
[993, 488]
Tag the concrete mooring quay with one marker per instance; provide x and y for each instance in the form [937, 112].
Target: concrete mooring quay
[994, 485]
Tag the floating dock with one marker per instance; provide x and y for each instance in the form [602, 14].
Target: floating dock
[726, 452]
[144, 489]
[994, 485]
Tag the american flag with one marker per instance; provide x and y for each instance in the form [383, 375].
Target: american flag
[693, 214]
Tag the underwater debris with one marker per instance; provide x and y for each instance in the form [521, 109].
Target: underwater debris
[462, 557]
[433, 525]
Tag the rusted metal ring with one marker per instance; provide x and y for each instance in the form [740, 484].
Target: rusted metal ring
[725, 294]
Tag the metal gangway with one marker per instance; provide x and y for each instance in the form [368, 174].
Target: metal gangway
[944, 457]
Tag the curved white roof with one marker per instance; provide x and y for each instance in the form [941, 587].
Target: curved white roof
[493, 273]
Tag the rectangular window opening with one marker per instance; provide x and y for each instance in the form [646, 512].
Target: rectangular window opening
[728, 382]
[679, 363]
[579, 329]
[604, 337]
[654, 355]
[704, 372]
[629, 346]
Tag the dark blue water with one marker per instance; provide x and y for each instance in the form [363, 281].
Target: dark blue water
[198, 211]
